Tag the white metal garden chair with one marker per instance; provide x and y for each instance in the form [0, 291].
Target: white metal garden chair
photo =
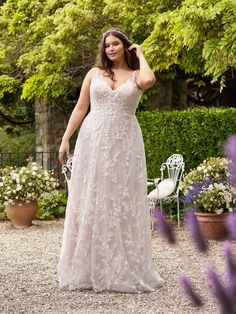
[66, 170]
[167, 186]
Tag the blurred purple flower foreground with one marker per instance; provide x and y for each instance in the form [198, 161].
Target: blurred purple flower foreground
[165, 227]
[231, 270]
[222, 294]
[189, 291]
[230, 152]
[193, 226]
[231, 225]
[225, 293]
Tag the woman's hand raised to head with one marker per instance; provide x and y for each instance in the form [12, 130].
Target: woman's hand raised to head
[145, 77]
[137, 48]
[64, 150]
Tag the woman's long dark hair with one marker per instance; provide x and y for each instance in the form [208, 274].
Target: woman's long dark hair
[104, 63]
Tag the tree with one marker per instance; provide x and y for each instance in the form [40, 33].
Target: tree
[191, 41]
[46, 48]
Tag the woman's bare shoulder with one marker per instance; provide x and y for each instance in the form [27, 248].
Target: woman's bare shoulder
[92, 72]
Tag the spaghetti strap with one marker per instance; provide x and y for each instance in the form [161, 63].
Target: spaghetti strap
[98, 72]
[133, 76]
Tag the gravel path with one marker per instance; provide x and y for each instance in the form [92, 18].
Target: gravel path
[28, 263]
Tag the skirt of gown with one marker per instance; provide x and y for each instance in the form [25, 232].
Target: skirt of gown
[107, 238]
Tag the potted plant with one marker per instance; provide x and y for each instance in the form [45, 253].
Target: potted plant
[208, 192]
[20, 188]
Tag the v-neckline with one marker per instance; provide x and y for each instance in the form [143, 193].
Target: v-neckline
[115, 89]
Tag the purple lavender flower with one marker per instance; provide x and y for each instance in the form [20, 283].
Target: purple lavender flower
[196, 188]
[189, 291]
[192, 193]
[165, 227]
[230, 152]
[231, 269]
[220, 293]
[193, 226]
[230, 223]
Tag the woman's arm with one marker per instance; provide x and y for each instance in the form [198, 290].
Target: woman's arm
[77, 115]
[145, 77]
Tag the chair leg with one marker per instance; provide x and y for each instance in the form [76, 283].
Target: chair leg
[161, 205]
[178, 214]
[151, 206]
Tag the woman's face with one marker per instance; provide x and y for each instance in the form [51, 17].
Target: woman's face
[114, 48]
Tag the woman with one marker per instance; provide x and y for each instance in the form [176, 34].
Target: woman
[107, 242]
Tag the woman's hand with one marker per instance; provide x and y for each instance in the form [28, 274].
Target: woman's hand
[138, 49]
[64, 149]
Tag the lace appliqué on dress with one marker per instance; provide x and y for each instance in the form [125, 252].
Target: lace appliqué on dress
[107, 238]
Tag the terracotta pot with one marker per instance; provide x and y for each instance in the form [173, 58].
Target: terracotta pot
[212, 225]
[21, 213]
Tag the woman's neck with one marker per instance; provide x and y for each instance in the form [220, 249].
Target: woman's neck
[119, 65]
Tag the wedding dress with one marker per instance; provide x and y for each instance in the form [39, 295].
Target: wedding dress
[107, 239]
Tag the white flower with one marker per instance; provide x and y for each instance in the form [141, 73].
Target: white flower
[219, 211]
[16, 182]
[18, 188]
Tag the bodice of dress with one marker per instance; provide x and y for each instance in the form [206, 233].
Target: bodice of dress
[124, 99]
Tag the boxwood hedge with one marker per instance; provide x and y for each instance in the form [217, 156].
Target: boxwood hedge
[195, 133]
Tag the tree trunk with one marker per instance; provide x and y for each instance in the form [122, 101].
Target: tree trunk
[49, 128]
[163, 98]
[183, 94]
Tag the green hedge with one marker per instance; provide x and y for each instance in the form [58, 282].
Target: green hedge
[17, 140]
[196, 134]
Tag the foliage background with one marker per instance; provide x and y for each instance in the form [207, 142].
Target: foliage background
[196, 134]
[48, 46]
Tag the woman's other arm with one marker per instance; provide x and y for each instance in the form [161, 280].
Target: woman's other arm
[77, 116]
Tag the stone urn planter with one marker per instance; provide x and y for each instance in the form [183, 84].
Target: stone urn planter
[212, 226]
[22, 212]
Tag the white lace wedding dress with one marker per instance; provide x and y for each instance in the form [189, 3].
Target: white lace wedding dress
[107, 239]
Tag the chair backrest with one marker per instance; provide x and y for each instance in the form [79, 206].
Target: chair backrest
[66, 170]
[173, 167]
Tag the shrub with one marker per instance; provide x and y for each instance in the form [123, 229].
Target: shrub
[52, 206]
[3, 214]
[17, 140]
[197, 134]
[25, 183]
[207, 187]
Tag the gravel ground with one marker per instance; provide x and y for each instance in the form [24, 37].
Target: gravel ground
[28, 263]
